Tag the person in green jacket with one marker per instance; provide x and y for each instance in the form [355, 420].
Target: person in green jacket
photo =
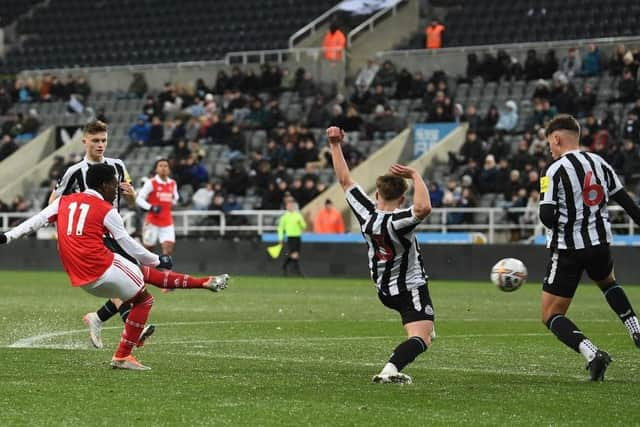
[291, 224]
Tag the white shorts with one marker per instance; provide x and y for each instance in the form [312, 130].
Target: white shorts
[122, 280]
[152, 234]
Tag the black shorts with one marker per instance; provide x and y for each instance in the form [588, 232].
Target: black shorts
[566, 266]
[114, 247]
[293, 244]
[413, 305]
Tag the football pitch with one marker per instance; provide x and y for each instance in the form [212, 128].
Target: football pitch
[270, 351]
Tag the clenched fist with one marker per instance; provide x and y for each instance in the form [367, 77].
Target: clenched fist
[335, 135]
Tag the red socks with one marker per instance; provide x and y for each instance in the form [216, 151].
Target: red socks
[133, 326]
[170, 279]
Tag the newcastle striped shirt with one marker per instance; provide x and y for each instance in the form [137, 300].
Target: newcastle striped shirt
[579, 184]
[75, 178]
[395, 262]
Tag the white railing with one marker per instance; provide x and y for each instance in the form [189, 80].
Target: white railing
[312, 26]
[276, 55]
[370, 23]
[508, 47]
[488, 220]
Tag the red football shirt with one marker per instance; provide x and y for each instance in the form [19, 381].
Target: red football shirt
[80, 226]
[163, 194]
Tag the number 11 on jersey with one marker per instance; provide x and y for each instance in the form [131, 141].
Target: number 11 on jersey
[84, 210]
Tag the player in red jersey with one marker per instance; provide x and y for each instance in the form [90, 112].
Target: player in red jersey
[157, 196]
[82, 220]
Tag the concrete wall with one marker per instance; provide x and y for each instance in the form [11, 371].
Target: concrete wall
[31, 175]
[442, 262]
[454, 60]
[26, 157]
[118, 78]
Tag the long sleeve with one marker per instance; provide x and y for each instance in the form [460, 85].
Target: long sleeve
[113, 223]
[281, 225]
[144, 192]
[39, 220]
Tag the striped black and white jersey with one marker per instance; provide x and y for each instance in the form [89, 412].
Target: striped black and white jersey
[75, 178]
[579, 184]
[395, 262]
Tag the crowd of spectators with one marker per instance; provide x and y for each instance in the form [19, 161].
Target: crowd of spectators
[489, 171]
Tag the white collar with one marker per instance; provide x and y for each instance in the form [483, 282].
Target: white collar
[160, 180]
[91, 162]
[94, 193]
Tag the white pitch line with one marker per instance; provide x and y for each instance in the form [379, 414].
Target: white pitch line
[36, 340]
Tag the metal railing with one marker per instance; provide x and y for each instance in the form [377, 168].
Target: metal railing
[370, 23]
[488, 220]
[312, 26]
[508, 47]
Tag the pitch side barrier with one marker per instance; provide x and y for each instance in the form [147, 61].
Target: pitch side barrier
[452, 261]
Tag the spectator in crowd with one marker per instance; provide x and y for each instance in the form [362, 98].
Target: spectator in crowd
[386, 77]
[571, 64]
[403, 84]
[489, 178]
[203, 197]
[627, 88]
[472, 149]
[328, 219]
[139, 132]
[367, 74]
[488, 127]
[616, 63]
[592, 61]
[418, 85]
[585, 102]
[508, 119]
[472, 118]
[138, 86]
[549, 65]
[334, 43]
[156, 132]
[434, 34]
[7, 147]
[532, 66]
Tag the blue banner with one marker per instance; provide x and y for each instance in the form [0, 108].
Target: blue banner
[425, 135]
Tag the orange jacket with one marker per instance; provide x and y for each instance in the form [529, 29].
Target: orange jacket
[434, 36]
[333, 45]
[328, 221]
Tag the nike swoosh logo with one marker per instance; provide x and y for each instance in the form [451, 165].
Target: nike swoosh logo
[628, 312]
[577, 332]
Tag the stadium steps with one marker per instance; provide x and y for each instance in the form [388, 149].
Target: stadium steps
[387, 33]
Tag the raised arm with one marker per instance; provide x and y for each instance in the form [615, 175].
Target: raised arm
[39, 220]
[335, 135]
[421, 199]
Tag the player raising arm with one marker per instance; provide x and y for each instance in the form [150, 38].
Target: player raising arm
[81, 221]
[395, 262]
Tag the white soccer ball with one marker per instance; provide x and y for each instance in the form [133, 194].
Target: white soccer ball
[509, 274]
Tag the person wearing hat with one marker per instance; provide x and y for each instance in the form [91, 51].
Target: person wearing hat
[328, 220]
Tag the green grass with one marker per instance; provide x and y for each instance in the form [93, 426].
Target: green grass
[302, 352]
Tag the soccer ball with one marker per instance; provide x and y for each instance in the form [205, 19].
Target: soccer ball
[509, 274]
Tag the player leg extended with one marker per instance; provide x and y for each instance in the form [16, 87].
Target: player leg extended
[111, 307]
[164, 279]
[416, 311]
[601, 272]
[123, 280]
[560, 284]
